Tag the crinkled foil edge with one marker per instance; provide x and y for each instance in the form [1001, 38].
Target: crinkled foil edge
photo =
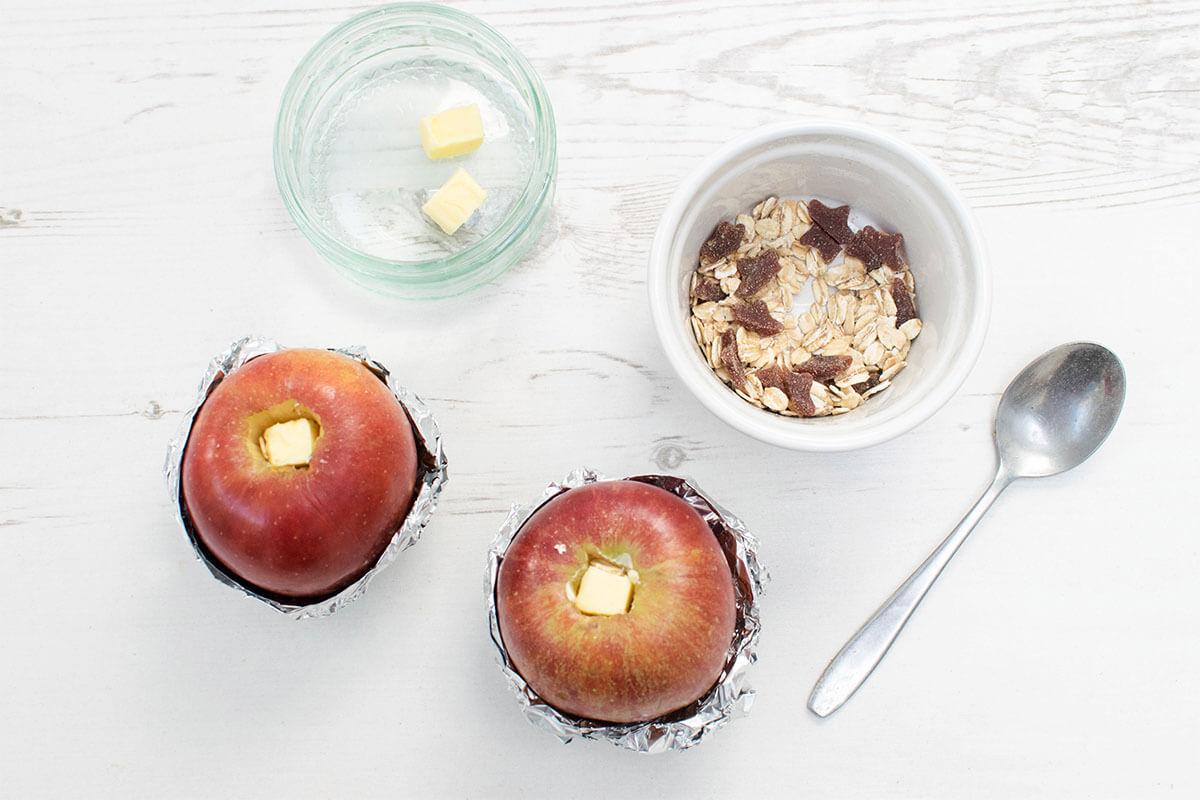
[431, 469]
[731, 696]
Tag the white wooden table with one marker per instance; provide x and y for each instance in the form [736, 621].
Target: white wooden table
[141, 232]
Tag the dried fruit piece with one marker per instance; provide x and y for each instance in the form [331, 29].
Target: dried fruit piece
[756, 317]
[834, 221]
[771, 376]
[731, 360]
[725, 239]
[799, 392]
[860, 248]
[888, 248]
[755, 273]
[875, 249]
[796, 385]
[822, 242]
[905, 308]
[708, 291]
[870, 383]
[825, 368]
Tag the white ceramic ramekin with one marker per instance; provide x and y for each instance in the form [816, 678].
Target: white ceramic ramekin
[887, 182]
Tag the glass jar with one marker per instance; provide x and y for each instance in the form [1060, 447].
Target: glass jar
[353, 174]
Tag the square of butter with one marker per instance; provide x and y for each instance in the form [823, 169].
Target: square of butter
[458, 199]
[602, 591]
[452, 132]
[288, 444]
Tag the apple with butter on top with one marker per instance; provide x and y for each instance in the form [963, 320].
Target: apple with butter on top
[616, 603]
[299, 468]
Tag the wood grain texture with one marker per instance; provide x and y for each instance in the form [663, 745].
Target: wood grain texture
[141, 232]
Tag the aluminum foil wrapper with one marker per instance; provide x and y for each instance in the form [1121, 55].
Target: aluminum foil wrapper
[730, 697]
[431, 473]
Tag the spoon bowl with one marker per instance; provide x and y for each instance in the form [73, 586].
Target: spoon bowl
[1059, 409]
[1053, 415]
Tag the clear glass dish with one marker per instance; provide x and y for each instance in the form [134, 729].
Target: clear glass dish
[353, 174]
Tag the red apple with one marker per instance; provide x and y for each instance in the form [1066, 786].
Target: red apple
[310, 524]
[616, 658]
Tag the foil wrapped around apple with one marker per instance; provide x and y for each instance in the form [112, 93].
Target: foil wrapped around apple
[301, 473]
[626, 610]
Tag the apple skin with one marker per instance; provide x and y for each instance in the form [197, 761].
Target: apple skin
[300, 534]
[665, 652]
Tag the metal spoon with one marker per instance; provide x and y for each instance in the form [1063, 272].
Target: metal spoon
[1053, 415]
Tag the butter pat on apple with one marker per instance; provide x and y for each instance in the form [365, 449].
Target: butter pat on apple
[290, 443]
[616, 603]
[604, 590]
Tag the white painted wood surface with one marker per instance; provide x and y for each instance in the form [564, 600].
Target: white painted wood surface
[141, 232]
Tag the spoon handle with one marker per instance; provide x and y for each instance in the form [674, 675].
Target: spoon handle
[859, 656]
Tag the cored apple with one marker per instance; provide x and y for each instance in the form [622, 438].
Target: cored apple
[299, 468]
[616, 603]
